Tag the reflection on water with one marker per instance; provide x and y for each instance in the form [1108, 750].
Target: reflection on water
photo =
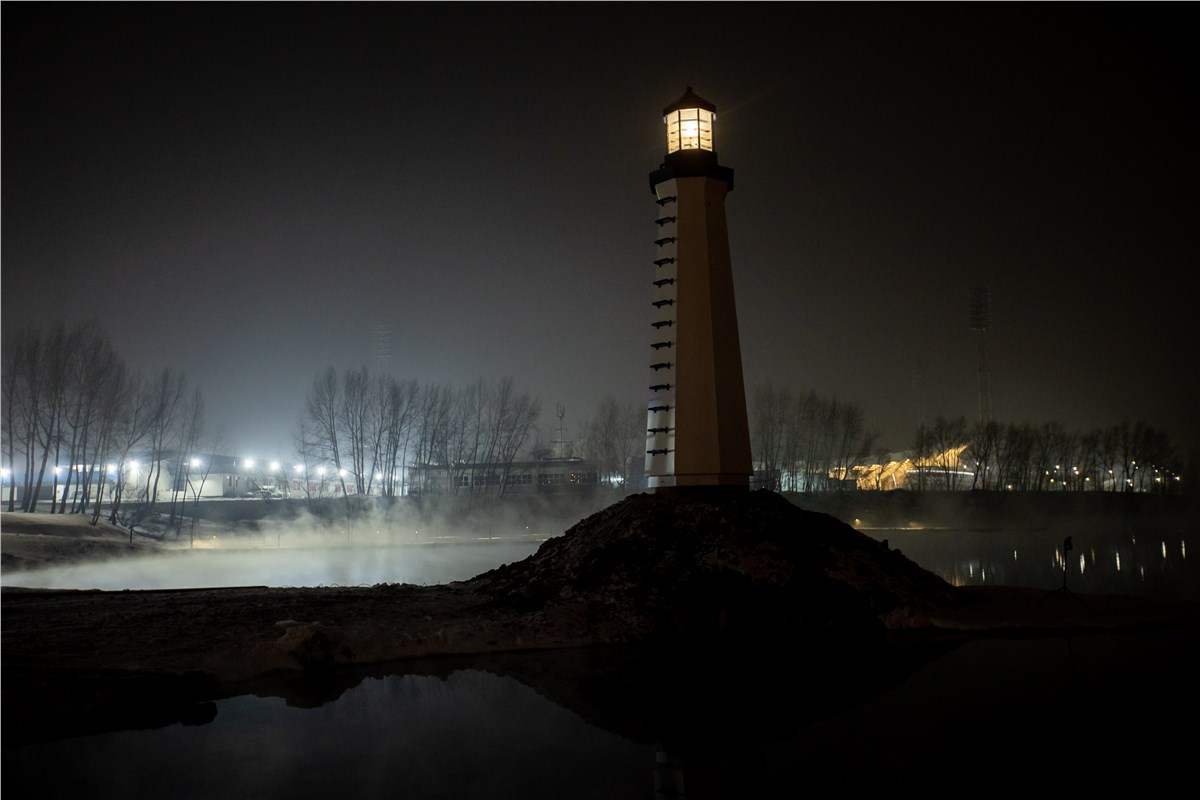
[988, 715]
[468, 735]
[1146, 563]
[994, 716]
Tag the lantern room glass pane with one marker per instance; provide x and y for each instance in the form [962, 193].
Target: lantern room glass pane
[689, 129]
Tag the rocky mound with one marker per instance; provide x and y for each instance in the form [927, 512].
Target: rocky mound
[665, 565]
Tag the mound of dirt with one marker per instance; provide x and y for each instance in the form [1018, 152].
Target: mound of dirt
[663, 565]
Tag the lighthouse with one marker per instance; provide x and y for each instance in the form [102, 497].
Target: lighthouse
[697, 433]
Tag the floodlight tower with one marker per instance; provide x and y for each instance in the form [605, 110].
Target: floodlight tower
[979, 313]
[697, 431]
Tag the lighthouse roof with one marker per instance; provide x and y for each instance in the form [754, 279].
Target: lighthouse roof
[689, 100]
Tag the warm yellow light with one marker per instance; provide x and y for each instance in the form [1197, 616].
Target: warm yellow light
[690, 129]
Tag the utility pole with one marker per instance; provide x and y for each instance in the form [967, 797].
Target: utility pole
[979, 314]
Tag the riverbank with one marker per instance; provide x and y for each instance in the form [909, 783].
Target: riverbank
[718, 578]
[646, 568]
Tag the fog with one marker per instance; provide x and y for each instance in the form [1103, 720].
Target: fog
[344, 565]
[417, 544]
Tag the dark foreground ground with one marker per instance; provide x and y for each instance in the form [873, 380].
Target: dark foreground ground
[651, 575]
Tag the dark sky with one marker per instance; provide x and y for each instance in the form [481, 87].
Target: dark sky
[244, 191]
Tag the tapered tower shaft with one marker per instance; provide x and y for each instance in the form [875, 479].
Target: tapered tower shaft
[697, 431]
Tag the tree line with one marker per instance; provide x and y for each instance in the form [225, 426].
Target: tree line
[367, 430]
[76, 417]
[1123, 457]
[800, 442]
[804, 442]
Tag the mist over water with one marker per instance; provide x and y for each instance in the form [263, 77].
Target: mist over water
[413, 544]
[344, 565]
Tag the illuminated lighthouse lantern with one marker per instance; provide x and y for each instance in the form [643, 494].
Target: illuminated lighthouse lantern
[696, 430]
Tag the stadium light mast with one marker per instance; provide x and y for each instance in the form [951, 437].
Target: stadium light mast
[979, 313]
[697, 430]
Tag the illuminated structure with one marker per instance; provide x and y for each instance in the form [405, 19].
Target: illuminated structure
[697, 432]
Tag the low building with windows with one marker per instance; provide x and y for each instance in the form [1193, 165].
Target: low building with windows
[544, 476]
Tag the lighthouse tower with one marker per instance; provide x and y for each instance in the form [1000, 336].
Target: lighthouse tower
[697, 434]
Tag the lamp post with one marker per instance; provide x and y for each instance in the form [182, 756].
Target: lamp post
[697, 430]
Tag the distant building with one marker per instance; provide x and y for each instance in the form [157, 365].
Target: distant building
[938, 471]
[544, 476]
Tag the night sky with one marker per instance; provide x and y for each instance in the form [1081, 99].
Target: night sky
[246, 191]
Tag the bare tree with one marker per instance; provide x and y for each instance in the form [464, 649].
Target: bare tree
[191, 430]
[115, 401]
[196, 485]
[513, 416]
[354, 414]
[322, 406]
[130, 428]
[52, 380]
[769, 412]
[985, 441]
[166, 394]
[395, 409]
[615, 437]
[21, 356]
